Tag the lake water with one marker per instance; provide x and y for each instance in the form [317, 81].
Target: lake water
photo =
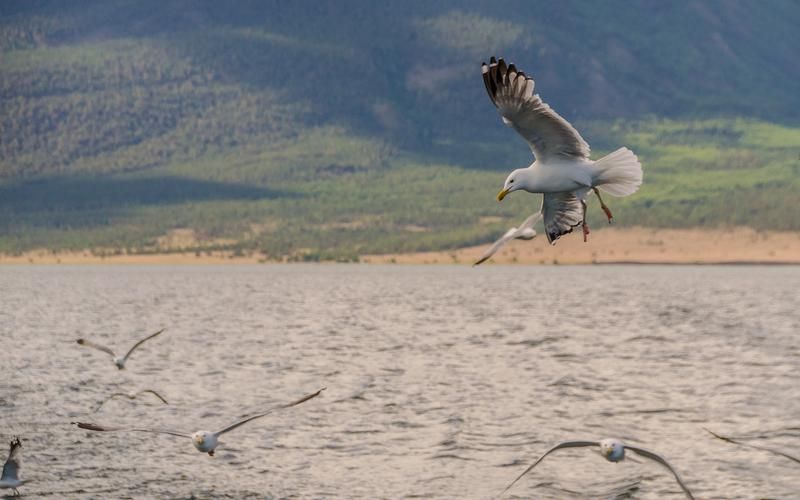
[442, 381]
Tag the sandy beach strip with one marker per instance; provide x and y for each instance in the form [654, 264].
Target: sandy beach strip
[605, 246]
[630, 245]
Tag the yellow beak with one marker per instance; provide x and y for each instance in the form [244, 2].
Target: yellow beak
[502, 194]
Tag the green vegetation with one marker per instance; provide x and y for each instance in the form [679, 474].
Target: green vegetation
[356, 130]
[331, 195]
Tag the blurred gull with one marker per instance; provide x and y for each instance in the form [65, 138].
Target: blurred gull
[131, 395]
[612, 450]
[562, 170]
[10, 477]
[523, 232]
[204, 441]
[754, 446]
[119, 361]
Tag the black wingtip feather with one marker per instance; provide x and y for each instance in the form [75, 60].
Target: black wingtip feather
[502, 71]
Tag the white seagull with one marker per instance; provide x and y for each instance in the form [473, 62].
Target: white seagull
[119, 361]
[612, 450]
[562, 170]
[10, 477]
[132, 395]
[204, 441]
[524, 232]
[754, 446]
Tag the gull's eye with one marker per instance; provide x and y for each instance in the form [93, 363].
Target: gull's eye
[511, 181]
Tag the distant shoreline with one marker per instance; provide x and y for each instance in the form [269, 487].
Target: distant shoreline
[607, 246]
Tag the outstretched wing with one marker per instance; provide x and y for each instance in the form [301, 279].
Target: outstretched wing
[154, 393]
[11, 467]
[562, 213]
[547, 133]
[657, 458]
[530, 222]
[103, 348]
[497, 245]
[754, 446]
[104, 428]
[109, 398]
[267, 412]
[565, 444]
[142, 342]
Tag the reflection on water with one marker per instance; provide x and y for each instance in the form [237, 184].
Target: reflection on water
[442, 381]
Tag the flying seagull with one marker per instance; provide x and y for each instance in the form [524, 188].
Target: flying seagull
[119, 361]
[562, 170]
[10, 477]
[756, 447]
[131, 395]
[204, 441]
[523, 232]
[612, 450]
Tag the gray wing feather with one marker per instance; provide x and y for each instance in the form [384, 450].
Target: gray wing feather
[530, 221]
[109, 398]
[130, 396]
[154, 393]
[89, 343]
[103, 428]
[547, 133]
[657, 458]
[267, 412]
[565, 444]
[11, 467]
[497, 245]
[562, 213]
[142, 342]
[512, 233]
[754, 446]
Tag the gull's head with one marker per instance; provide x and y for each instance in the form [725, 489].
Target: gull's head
[612, 450]
[199, 438]
[204, 441]
[119, 362]
[514, 181]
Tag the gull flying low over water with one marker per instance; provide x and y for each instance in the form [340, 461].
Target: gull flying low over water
[754, 446]
[10, 478]
[562, 170]
[118, 360]
[524, 232]
[132, 395]
[204, 441]
[612, 450]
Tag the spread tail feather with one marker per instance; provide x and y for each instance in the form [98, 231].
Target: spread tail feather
[619, 173]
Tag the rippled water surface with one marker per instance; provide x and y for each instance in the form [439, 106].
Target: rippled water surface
[443, 382]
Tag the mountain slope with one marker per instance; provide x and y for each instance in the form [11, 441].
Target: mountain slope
[308, 128]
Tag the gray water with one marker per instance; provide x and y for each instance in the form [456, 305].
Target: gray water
[442, 382]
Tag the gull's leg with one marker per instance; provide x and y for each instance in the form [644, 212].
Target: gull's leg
[604, 206]
[584, 225]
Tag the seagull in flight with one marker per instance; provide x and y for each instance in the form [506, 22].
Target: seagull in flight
[118, 360]
[756, 447]
[612, 450]
[524, 232]
[204, 441]
[10, 478]
[132, 395]
[562, 170]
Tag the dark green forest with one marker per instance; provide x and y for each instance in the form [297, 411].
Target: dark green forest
[325, 130]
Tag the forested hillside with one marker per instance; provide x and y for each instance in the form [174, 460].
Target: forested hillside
[329, 129]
